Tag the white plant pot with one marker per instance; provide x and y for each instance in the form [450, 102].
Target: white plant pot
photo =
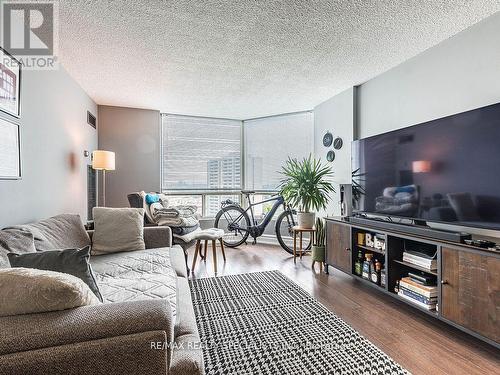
[306, 219]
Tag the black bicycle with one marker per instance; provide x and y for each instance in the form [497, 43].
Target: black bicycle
[238, 225]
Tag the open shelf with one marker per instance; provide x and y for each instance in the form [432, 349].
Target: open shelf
[414, 266]
[368, 282]
[371, 249]
[430, 312]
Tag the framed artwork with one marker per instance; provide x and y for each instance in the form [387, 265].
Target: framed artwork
[10, 150]
[10, 84]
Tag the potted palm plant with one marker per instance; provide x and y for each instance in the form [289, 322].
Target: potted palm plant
[306, 187]
[318, 248]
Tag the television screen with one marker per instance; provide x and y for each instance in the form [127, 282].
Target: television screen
[445, 170]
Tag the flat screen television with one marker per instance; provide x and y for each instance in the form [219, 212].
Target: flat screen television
[445, 170]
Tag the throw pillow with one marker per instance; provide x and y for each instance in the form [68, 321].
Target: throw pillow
[28, 291]
[152, 198]
[117, 229]
[58, 232]
[72, 261]
[17, 241]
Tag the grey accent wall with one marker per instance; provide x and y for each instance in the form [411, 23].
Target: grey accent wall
[54, 135]
[134, 135]
[457, 75]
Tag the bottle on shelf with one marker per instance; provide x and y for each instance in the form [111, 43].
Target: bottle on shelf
[375, 272]
[367, 266]
[358, 264]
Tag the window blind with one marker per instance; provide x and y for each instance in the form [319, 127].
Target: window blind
[268, 143]
[200, 153]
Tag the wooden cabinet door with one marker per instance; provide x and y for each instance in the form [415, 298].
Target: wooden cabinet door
[338, 246]
[470, 292]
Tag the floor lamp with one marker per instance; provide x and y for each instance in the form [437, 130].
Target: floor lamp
[103, 161]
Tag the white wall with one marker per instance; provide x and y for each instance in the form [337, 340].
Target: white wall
[336, 115]
[54, 134]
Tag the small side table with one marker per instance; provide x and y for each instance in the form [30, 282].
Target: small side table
[300, 231]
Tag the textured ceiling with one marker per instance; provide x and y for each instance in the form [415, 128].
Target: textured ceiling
[243, 59]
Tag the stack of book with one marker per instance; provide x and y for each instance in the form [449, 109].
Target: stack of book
[420, 259]
[421, 295]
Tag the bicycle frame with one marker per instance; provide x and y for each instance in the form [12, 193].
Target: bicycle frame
[269, 216]
[256, 230]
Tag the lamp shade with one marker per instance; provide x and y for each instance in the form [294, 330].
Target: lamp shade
[103, 160]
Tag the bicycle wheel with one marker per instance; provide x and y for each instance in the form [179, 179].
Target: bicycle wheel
[235, 222]
[284, 224]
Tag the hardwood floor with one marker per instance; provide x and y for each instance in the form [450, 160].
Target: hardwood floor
[419, 343]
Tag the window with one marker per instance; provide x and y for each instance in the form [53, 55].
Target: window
[201, 154]
[268, 143]
[201, 157]
[213, 203]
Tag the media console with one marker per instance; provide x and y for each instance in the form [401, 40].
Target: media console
[468, 287]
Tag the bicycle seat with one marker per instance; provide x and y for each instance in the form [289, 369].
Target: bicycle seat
[247, 192]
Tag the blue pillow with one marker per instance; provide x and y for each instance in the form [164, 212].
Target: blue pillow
[152, 198]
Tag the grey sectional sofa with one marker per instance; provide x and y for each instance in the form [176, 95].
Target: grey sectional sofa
[146, 324]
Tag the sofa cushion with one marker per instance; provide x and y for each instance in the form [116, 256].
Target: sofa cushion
[28, 290]
[58, 232]
[17, 241]
[71, 261]
[137, 275]
[117, 229]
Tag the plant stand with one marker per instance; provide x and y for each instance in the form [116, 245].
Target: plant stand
[300, 231]
[318, 255]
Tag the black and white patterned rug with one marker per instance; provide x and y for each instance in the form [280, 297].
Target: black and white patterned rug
[263, 323]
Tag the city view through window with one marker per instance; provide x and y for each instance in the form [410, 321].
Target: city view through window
[201, 156]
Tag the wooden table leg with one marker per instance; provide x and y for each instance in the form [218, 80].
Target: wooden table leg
[294, 246]
[197, 248]
[222, 248]
[320, 267]
[300, 248]
[215, 256]
[206, 249]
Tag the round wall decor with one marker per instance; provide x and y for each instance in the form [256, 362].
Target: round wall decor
[327, 139]
[330, 156]
[338, 143]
